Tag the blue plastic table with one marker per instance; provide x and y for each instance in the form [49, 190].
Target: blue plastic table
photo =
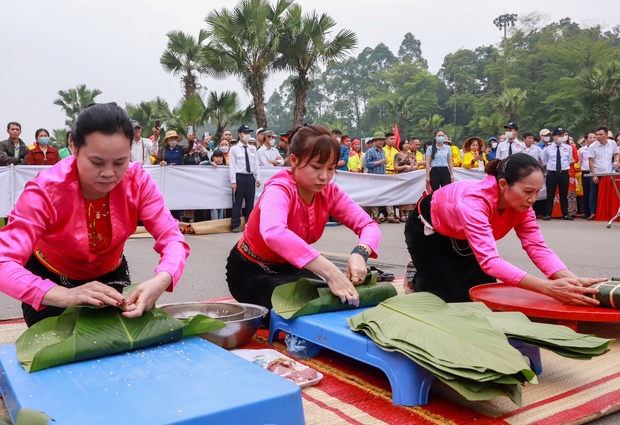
[410, 382]
[188, 382]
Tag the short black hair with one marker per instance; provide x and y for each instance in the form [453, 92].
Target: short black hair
[36, 133]
[15, 123]
[389, 135]
[106, 118]
[598, 129]
[528, 134]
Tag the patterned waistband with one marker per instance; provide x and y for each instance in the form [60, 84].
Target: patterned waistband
[247, 252]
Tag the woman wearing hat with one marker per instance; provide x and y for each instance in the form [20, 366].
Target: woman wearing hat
[474, 156]
[171, 153]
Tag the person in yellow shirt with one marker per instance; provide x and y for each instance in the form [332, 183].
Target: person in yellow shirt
[390, 153]
[415, 150]
[456, 154]
[355, 157]
[473, 149]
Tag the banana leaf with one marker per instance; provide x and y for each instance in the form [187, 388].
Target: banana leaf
[559, 339]
[312, 296]
[81, 333]
[459, 348]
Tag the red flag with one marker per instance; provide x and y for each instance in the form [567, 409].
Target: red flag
[396, 136]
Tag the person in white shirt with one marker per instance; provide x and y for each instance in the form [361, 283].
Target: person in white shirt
[141, 148]
[244, 172]
[268, 155]
[531, 148]
[586, 181]
[603, 157]
[557, 157]
[511, 145]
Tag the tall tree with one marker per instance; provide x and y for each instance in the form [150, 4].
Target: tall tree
[410, 50]
[182, 57]
[245, 42]
[305, 46]
[601, 83]
[431, 124]
[73, 101]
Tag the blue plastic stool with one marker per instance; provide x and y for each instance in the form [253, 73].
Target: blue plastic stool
[410, 382]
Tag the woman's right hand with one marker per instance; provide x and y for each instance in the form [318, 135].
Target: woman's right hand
[344, 289]
[571, 291]
[91, 293]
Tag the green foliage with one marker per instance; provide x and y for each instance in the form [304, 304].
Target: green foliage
[182, 58]
[73, 101]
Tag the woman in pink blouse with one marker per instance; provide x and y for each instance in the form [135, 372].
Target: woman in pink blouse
[63, 245]
[290, 215]
[453, 244]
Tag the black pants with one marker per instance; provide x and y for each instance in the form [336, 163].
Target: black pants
[252, 283]
[555, 180]
[586, 180]
[445, 267]
[117, 279]
[246, 190]
[440, 176]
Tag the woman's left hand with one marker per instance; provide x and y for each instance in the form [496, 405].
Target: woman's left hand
[356, 269]
[144, 297]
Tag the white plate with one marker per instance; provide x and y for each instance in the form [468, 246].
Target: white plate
[265, 356]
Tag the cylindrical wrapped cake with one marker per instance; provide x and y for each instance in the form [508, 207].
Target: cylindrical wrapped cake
[609, 294]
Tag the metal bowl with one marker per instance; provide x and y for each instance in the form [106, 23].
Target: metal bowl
[222, 311]
[239, 331]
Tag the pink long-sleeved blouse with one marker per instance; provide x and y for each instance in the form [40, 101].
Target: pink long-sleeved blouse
[50, 216]
[468, 210]
[282, 225]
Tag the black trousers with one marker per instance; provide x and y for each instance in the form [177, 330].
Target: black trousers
[117, 279]
[252, 283]
[246, 190]
[555, 180]
[445, 267]
[440, 176]
[586, 180]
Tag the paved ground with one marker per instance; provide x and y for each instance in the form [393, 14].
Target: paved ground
[587, 247]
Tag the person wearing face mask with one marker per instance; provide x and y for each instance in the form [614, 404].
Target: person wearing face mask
[268, 155]
[171, 153]
[545, 138]
[557, 158]
[492, 144]
[439, 165]
[244, 176]
[511, 145]
[43, 153]
[224, 146]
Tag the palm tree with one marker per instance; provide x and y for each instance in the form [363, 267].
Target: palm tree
[431, 124]
[305, 46]
[147, 112]
[222, 111]
[182, 57]
[601, 83]
[512, 101]
[492, 124]
[73, 101]
[245, 42]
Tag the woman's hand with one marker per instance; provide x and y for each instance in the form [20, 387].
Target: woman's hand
[338, 283]
[356, 269]
[144, 297]
[573, 291]
[91, 293]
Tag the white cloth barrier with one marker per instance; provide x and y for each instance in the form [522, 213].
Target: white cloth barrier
[205, 187]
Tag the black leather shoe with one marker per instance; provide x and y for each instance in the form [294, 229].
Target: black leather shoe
[568, 217]
[381, 275]
[546, 218]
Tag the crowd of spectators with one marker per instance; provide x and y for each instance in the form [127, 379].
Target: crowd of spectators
[568, 163]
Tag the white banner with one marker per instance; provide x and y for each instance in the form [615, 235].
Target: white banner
[205, 187]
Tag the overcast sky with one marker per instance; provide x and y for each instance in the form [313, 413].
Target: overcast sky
[115, 45]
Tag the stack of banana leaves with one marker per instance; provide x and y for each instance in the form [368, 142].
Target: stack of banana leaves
[81, 333]
[463, 347]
